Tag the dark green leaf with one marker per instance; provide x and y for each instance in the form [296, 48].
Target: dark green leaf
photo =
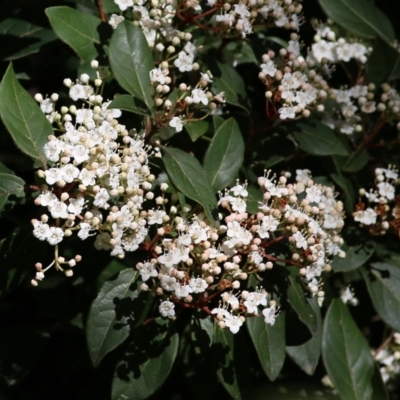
[224, 156]
[306, 355]
[112, 314]
[347, 190]
[383, 283]
[223, 351]
[23, 118]
[269, 342]
[357, 160]
[32, 36]
[196, 129]
[10, 185]
[379, 390]
[346, 354]
[217, 121]
[395, 74]
[131, 61]
[356, 256]
[129, 103]
[188, 176]
[239, 52]
[109, 271]
[297, 299]
[316, 138]
[381, 62]
[226, 79]
[253, 199]
[78, 30]
[146, 364]
[360, 17]
[5, 170]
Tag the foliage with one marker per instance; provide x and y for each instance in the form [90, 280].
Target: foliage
[198, 190]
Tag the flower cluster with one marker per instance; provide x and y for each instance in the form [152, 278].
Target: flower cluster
[98, 180]
[293, 85]
[197, 265]
[379, 208]
[389, 360]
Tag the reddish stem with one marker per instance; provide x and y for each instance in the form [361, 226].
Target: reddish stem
[101, 10]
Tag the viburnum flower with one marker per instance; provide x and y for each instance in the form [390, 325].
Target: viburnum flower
[177, 123]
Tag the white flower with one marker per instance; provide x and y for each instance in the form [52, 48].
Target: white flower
[199, 96]
[70, 173]
[100, 200]
[58, 210]
[56, 236]
[301, 241]
[123, 4]
[84, 232]
[198, 285]
[268, 68]
[79, 91]
[53, 175]
[303, 175]
[52, 150]
[87, 177]
[233, 323]
[166, 309]
[148, 271]
[366, 217]
[177, 123]
[46, 106]
[287, 112]
[156, 218]
[386, 190]
[168, 283]
[156, 75]
[47, 198]
[75, 205]
[115, 20]
[182, 291]
[314, 194]
[269, 315]
[41, 230]
[80, 153]
[184, 62]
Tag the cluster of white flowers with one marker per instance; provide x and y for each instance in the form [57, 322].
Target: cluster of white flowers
[196, 264]
[240, 16]
[381, 209]
[98, 180]
[389, 360]
[293, 85]
[334, 50]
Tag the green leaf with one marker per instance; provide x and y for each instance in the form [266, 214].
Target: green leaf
[269, 342]
[129, 103]
[316, 138]
[224, 156]
[188, 177]
[239, 52]
[357, 160]
[109, 271]
[78, 30]
[360, 17]
[297, 299]
[113, 314]
[10, 185]
[227, 79]
[131, 61]
[23, 118]
[381, 62]
[5, 170]
[383, 283]
[378, 386]
[32, 37]
[146, 364]
[347, 190]
[196, 129]
[223, 351]
[254, 198]
[346, 354]
[356, 256]
[306, 355]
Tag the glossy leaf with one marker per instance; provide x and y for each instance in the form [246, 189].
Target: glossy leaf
[224, 156]
[227, 79]
[297, 299]
[110, 317]
[356, 256]
[269, 342]
[196, 129]
[357, 160]
[360, 17]
[381, 62]
[22, 117]
[318, 139]
[129, 103]
[346, 354]
[306, 355]
[188, 177]
[10, 185]
[131, 61]
[224, 359]
[78, 30]
[146, 364]
[30, 37]
[383, 283]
